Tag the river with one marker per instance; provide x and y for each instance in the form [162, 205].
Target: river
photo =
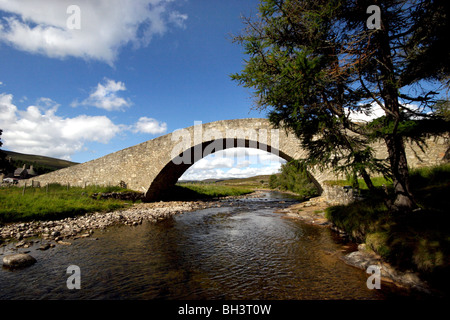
[240, 250]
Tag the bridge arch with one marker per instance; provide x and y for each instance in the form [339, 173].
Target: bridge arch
[151, 166]
[175, 168]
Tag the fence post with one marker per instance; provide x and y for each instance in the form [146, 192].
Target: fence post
[24, 186]
[46, 189]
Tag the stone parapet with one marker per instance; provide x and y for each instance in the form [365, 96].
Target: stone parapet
[153, 166]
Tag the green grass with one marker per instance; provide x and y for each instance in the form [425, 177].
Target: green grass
[256, 182]
[57, 203]
[212, 190]
[418, 240]
[377, 182]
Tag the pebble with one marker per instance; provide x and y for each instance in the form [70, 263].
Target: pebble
[44, 247]
[65, 243]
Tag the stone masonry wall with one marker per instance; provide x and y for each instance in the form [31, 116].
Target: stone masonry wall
[338, 195]
[139, 165]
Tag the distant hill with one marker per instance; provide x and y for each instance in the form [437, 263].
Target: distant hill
[254, 181]
[30, 159]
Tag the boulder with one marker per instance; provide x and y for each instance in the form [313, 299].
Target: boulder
[18, 260]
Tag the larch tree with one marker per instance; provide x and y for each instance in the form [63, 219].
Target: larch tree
[314, 64]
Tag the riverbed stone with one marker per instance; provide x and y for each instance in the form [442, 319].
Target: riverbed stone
[364, 259]
[18, 260]
[44, 247]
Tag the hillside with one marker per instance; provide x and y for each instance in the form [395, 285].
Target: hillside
[256, 181]
[48, 162]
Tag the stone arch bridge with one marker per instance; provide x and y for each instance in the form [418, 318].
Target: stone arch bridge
[154, 166]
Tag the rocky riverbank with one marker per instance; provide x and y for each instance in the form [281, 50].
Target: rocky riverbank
[18, 237]
[50, 233]
[363, 258]
[313, 212]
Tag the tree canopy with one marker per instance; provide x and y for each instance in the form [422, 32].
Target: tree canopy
[314, 64]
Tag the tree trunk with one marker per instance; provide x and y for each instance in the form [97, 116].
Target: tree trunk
[394, 142]
[367, 180]
[400, 173]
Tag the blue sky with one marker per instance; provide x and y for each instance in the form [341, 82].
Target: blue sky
[130, 71]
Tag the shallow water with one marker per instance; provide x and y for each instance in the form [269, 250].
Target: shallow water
[241, 250]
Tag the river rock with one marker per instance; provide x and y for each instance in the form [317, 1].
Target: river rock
[18, 260]
[55, 234]
[44, 247]
[361, 259]
[364, 259]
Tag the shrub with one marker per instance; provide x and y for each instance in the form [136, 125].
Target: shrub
[295, 178]
[418, 240]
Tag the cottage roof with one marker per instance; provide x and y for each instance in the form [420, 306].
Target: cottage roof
[24, 171]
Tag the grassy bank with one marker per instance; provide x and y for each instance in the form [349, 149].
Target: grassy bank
[418, 241]
[56, 202]
[217, 190]
[193, 191]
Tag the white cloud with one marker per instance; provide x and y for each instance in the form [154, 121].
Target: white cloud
[178, 19]
[213, 163]
[105, 26]
[244, 156]
[193, 174]
[234, 163]
[149, 125]
[105, 96]
[39, 130]
[374, 112]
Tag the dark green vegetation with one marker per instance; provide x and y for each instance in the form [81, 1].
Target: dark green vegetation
[418, 240]
[56, 202]
[294, 177]
[312, 63]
